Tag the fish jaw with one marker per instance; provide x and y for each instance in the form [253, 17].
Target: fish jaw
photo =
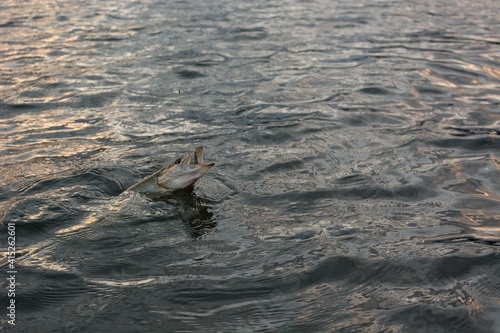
[178, 176]
[182, 173]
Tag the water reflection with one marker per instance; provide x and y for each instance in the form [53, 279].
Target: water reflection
[193, 211]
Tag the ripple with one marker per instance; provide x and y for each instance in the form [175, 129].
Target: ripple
[49, 289]
[376, 91]
[475, 144]
[189, 74]
[462, 132]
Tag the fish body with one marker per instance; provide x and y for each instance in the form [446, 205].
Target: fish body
[182, 173]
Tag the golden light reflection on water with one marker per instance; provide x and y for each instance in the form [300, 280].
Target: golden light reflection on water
[55, 133]
[464, 75]
[92, 218]
[488, 233]
[493, 72]
[495, 161]
[440, 82]
[478, 219]
[38, 255]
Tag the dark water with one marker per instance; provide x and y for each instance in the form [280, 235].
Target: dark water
[356, 186]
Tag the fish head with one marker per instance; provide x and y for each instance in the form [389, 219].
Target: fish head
[184, 172]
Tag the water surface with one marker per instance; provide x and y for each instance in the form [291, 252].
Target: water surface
[356, 185]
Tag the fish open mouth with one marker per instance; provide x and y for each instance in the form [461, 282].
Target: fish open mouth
[185, 171]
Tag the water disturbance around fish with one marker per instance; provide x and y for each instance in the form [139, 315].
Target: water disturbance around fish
[356, 185]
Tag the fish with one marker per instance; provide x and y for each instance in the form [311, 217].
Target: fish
[182, 173]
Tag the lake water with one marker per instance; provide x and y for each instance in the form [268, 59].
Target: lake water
[356, 185]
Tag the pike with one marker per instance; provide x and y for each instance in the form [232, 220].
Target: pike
[182, 173]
